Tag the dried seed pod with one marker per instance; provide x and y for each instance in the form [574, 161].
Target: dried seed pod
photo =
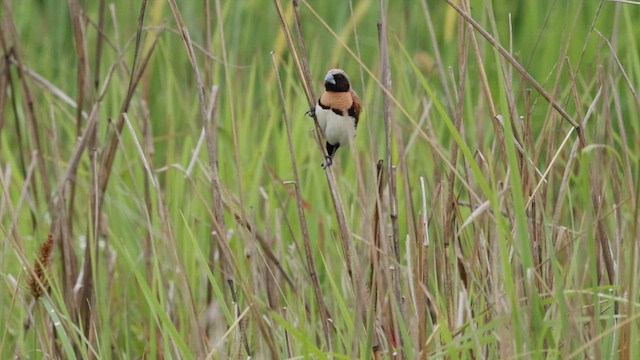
[38, 281]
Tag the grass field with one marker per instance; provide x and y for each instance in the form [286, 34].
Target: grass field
[162, 194]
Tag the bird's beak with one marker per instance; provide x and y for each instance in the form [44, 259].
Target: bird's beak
[329, 78]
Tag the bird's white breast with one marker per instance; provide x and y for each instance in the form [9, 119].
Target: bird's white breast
[337, 129]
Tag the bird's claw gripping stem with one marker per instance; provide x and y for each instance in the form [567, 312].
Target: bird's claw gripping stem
[311, 112]
[328, 161]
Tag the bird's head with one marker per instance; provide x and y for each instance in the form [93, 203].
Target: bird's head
[336, 81]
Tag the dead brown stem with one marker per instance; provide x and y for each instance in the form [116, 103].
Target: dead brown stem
[392, 182]
[523, 72]
[302, 66]
[311, 266]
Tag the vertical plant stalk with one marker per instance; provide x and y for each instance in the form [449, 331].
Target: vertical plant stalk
[137, 70]
[422, 272]
[147, 245]
[438, 58]
[311, 266]
[377, 228]
[450, 205]
[235, 140]
[302, 67]
[597, 199]
[147, 133]
[219, 229]
[83, 88]
[4, 70]
[486, 91]
[234, 127]
[375, 272]
[57, 207]
[537, 240]
[85, 298]
[8, 78]
[99, 43]
[635, 256]
[392, 178]
[8, 28]
[219, 226]
[219, 232]
[207, 40]
[523, 72]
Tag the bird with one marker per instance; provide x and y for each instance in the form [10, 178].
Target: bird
[338, 112]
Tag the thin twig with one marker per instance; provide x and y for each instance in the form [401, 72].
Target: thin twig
[234, 127]
[449, 235]
[101, 180]
[311, 266]
[302, 66]
[391, 175]
[523, 72]
[436, 51]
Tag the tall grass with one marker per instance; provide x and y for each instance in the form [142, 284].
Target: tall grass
[489, 207]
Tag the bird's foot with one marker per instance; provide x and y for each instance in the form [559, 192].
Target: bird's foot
[328, 161]
[311, 112]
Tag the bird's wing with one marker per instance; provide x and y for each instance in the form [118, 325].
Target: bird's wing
[356, 107]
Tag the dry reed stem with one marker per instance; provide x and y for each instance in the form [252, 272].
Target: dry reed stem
[302, 66]
[101, 174]
[219, 225]
[376, 249]
[395, 101]
[422, 273]
[99, 42]
[109, 151]
[186, 292]
[207, 39]
[635, 258]
[597, 198]
[13, 230]
[269, 278]
[59, 225]
[287, 337]
[486, 91]
[449, 235]
[311, 266]
[141, 152]
[10, 30]
[523, 72]
[234, 127]
[627, 80]
[625, 145]
[149, 151]
[596, 339]
[4, 69]
[549, 141]
[14, 107]
[229, 203]
[210, 128]
[357, 43]
[439, 64]
[392, 184]
[352, 265]
[16, 238]
[568, 167]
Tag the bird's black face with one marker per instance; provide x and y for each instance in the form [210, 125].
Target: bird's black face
[337, 82]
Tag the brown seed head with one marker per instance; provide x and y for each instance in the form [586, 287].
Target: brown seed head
[38, 281]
